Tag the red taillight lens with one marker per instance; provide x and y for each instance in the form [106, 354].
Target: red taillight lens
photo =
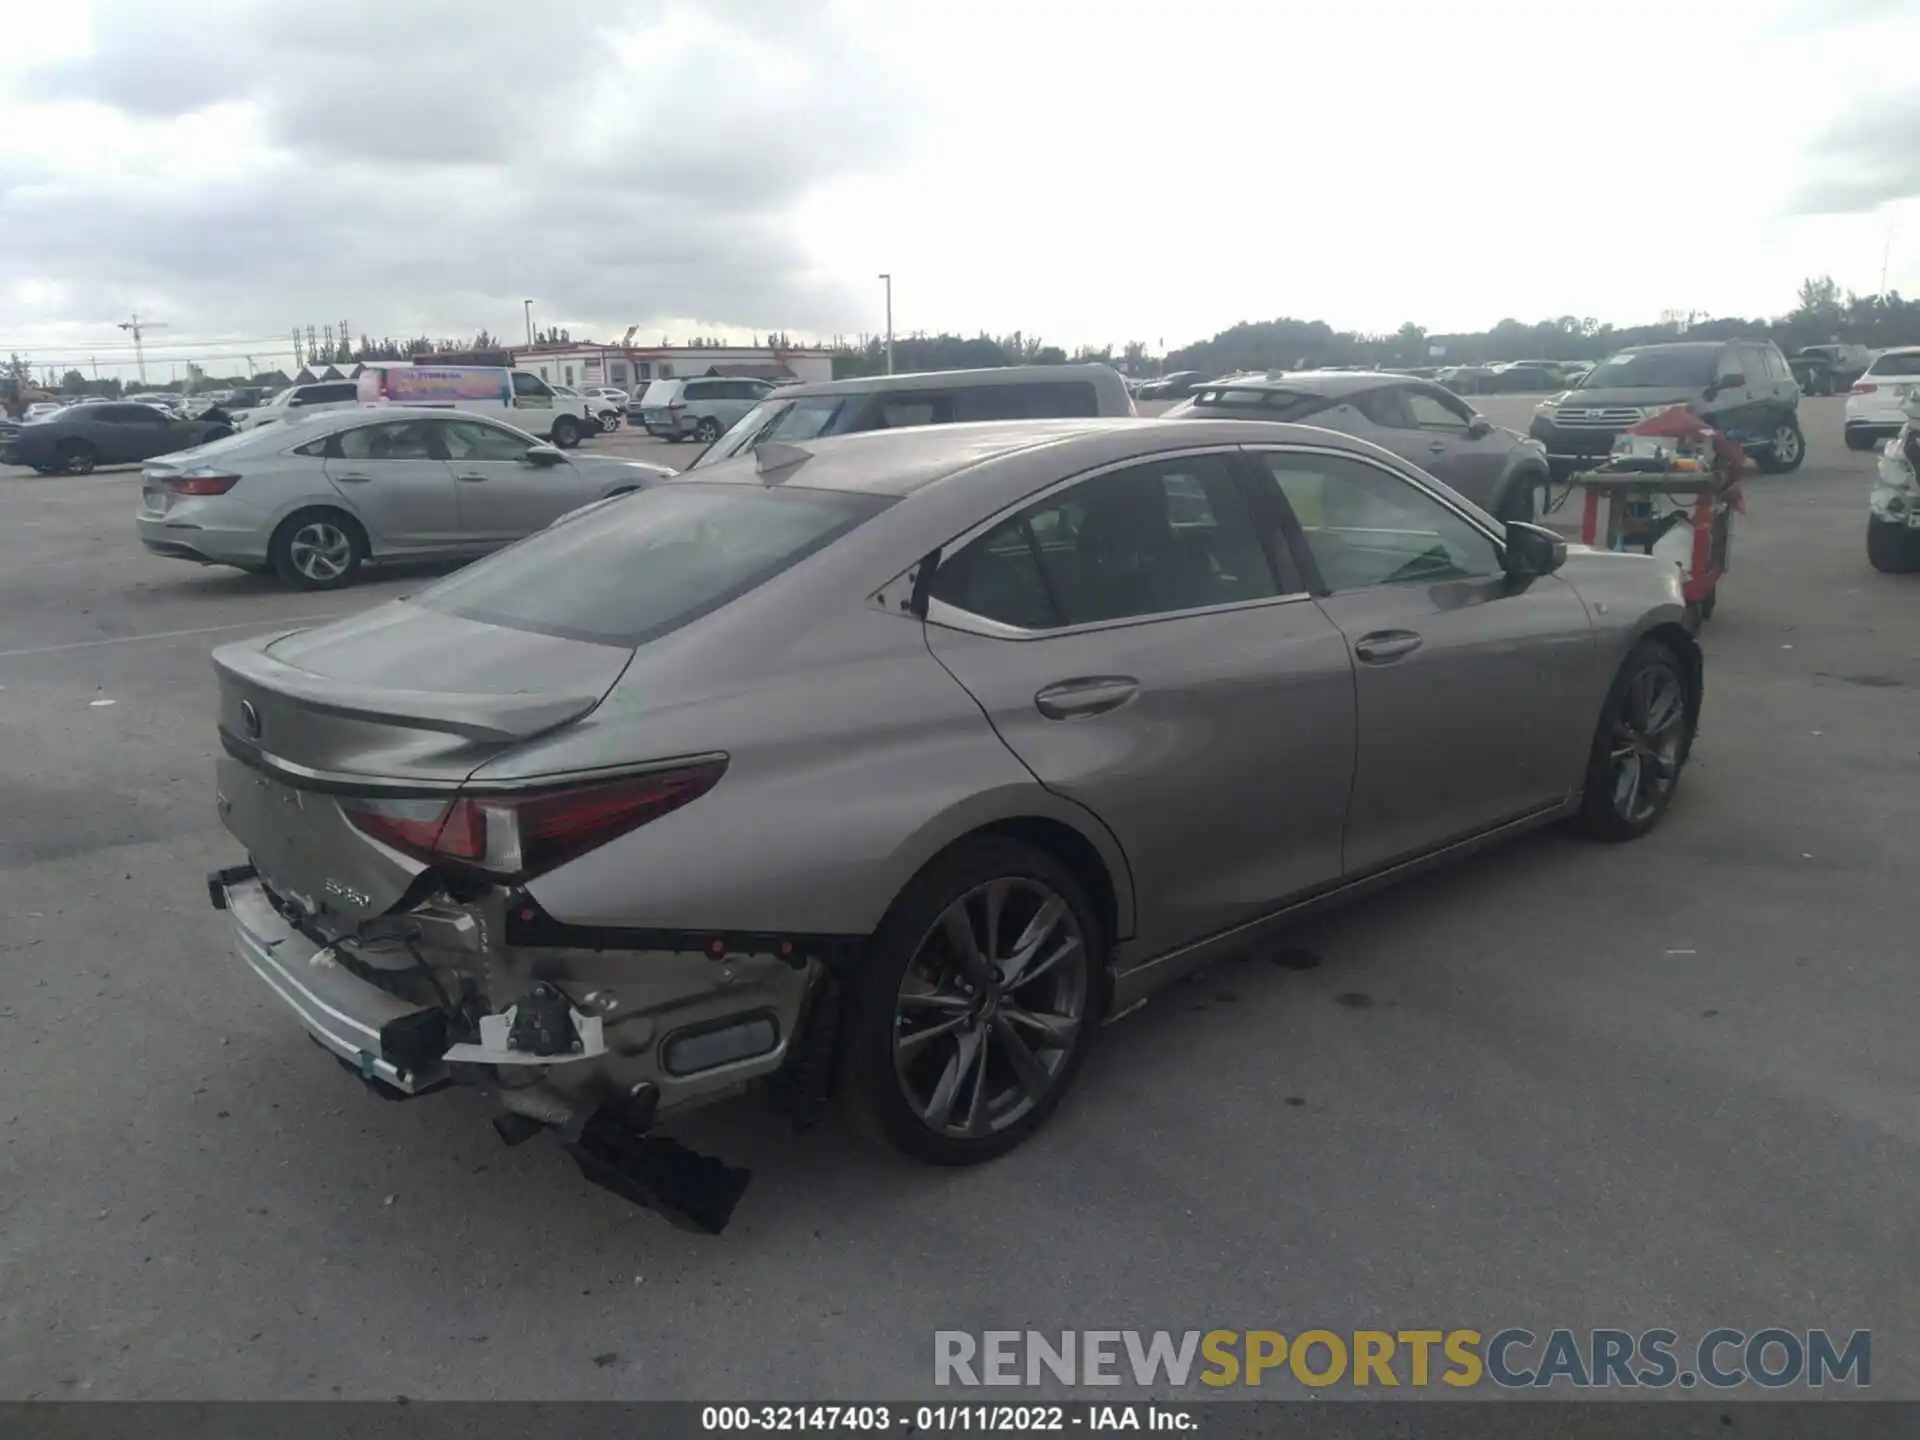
[201, 482]
[1861, 387]
[517, 836]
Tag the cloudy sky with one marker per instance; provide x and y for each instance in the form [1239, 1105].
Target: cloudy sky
[1091, 171]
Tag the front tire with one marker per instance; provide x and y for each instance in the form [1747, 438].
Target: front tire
[1892, 549]
[1860, 440]
[566, 432]
[1789, 447]
[1639, 747]
[977, 1005]
[318, 549]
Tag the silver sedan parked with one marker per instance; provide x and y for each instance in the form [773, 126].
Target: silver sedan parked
[907, 758]
[317, 496]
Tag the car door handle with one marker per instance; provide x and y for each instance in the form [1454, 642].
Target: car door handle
[354, 478]
[1438, 446]
[470, 477]
[1383, 646]
[1095, 695]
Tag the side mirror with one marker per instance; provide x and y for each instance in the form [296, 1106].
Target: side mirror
[543, 455]
[1479, 427]
[1531, 551]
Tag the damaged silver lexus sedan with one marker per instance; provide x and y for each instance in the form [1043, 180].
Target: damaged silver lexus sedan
[891, 765]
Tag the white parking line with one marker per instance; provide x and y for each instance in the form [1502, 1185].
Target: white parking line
[289, 622]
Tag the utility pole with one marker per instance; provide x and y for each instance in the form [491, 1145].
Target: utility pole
[889, 279]
[529, 308]
[136, 326]
[1886, 254]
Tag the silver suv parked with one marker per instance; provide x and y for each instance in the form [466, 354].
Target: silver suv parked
[1423, 422]
[797, 413]
[700, 408]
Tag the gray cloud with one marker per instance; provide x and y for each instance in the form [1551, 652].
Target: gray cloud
[1864, 158]
[433, 162]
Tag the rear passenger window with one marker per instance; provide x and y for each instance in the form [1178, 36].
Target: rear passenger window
[1062, 400]
[1152, 539]
[894, 412]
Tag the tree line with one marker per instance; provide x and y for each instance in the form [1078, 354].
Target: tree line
[1823, 314]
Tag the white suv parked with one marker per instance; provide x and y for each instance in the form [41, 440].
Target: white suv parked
[1877, 403]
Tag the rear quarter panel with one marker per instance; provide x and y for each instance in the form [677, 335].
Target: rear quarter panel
[854, 759]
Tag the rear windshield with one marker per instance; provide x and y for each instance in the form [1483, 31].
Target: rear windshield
[1268, 403]
[1906, 362]
[654, 561]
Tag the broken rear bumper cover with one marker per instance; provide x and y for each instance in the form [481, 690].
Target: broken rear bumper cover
[689, 1027]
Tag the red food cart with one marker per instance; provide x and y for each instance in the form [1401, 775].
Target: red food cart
[1677, 457]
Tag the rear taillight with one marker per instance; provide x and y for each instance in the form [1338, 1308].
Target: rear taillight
[201, 482]
[513, 837]
[1861, 387]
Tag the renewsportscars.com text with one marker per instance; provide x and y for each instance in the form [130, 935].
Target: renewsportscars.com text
[1513, 1358]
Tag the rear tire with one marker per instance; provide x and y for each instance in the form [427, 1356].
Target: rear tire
[1892, 549]
[566, 432]
[1789, 447]
[1639, 747]
[927, 1041]
[74, 457]
[318, 549]
[707, 431]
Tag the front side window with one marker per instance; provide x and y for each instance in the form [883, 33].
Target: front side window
[1365, 526]
[1430, 412]
[472, 440]
[1384, 407]
[529, 386]
[1152, 539]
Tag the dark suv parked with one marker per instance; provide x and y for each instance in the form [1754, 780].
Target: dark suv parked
[1743, 386]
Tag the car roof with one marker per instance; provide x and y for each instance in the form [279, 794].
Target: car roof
[948, 379]
[1695, 345]
[897, 463]
[1314, 382]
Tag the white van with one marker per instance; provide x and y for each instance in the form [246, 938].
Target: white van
[514, 396]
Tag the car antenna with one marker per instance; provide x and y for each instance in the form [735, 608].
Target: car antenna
[774, 462]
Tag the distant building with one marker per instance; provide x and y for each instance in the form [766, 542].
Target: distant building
[626, 367]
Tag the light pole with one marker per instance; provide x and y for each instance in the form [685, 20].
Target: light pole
[529, 305]
[889, 279]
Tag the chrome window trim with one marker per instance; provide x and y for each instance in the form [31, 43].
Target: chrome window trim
[951, 617]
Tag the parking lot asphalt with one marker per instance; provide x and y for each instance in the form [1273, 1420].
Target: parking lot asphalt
[1663, 1084]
